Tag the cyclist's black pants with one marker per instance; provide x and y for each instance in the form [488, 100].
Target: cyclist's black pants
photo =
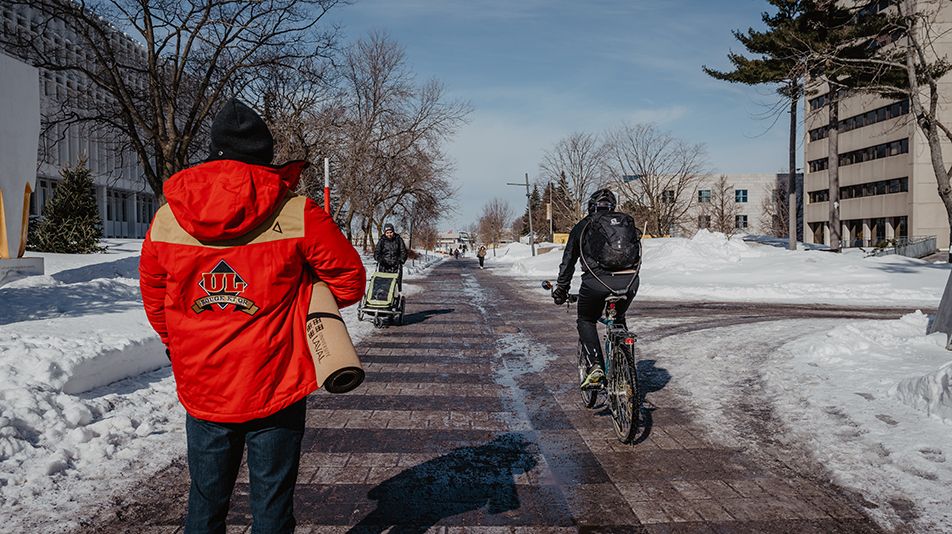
[591, 303]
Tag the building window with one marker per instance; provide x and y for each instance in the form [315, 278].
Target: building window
[891, 111]
[740, 195]
[667, 196]
[704, 196]
[822, 195]
[740, 222]
[818, 165]
[885, 150]
[870, 189]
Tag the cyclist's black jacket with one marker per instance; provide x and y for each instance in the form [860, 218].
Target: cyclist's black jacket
[573, 250]
[391, 253]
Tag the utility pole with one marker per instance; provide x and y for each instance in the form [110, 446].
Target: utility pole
[529, 209]
[548, 213]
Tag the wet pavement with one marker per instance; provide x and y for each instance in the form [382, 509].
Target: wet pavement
[469, 421]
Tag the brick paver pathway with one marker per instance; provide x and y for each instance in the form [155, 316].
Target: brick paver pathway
[469, 422]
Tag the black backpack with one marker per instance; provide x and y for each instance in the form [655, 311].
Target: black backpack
[612, 240]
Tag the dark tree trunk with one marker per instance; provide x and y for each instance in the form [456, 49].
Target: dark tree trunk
[792, 178]
[834, 170]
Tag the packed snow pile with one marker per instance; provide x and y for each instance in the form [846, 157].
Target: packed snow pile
[931, 393]
[87, 399]
[709, 266]
[841, 389]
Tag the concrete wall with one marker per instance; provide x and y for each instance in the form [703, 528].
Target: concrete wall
[19, 137]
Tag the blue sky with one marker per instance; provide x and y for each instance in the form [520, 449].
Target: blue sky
[535, 71]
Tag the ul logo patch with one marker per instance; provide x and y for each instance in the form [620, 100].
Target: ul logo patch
[223, 287]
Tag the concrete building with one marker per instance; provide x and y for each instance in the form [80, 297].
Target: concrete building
[749, 191]
[887, 185]
[126, 203]
[747, 195]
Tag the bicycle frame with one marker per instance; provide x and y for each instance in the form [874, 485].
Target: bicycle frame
[613, 331]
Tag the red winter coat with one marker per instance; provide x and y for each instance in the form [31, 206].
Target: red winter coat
[226, 274]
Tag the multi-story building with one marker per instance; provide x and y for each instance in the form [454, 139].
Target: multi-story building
[126, 203]
[887, 185]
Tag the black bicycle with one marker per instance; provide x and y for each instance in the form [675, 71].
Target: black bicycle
[621, 372]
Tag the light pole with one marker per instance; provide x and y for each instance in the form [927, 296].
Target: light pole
[529, 210]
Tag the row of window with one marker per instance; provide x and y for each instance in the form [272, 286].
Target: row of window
[885, 150]
[818, 102]
[740, 221]
[896, 109]
[871, 189]
[704, 195]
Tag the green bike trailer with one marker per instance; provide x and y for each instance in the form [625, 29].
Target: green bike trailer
[383, 301]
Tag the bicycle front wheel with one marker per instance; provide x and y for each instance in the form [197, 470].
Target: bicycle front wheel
[623, 394]
[589, 396]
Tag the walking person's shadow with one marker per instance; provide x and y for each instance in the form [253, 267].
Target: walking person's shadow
[465, 479]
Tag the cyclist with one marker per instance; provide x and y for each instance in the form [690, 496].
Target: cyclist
[391, 253]
[609, 245]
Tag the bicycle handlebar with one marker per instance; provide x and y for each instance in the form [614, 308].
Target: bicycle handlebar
[572, 298]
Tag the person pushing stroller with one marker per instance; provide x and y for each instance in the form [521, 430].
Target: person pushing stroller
[391, 253]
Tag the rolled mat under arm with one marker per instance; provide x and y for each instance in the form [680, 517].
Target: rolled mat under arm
[336, 364]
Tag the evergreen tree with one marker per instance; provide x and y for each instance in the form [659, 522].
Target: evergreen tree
[562, 205]
[71, 222]
[538, 214]
[780, 60]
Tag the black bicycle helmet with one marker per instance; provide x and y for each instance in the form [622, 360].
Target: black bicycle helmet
[602, 200]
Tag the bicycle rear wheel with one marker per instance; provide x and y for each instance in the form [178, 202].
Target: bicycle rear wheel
[589, 396]
[624, 396]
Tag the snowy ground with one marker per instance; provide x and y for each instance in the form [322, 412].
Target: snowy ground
[830, 390]
[87, 400]
[871, 401]
[710, 267]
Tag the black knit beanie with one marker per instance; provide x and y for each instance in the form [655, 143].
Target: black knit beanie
[240, 134]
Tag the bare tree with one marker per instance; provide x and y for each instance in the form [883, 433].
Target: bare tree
[158, 84]
[496, 217]
[656, 173]
[391, 132]
[426, 235]
[722, 209]
[774, 210]
[579, 160]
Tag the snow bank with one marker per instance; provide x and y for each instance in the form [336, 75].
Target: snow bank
[711, 267]
[839, 389]
[931, 393]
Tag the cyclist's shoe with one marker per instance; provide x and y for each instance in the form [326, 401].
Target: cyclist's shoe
[595, 378]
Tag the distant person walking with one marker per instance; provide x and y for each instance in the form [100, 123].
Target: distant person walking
[226, 273]
[481, 254]
[456, 253]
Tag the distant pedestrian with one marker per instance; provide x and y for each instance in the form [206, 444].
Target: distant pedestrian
[481, 254]
[226, 273]
[456, 253]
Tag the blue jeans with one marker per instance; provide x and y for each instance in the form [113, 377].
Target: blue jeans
[214, 456]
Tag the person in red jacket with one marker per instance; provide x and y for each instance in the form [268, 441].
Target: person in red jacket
[226, 273]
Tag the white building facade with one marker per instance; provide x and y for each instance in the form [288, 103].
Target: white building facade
[126, 202]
